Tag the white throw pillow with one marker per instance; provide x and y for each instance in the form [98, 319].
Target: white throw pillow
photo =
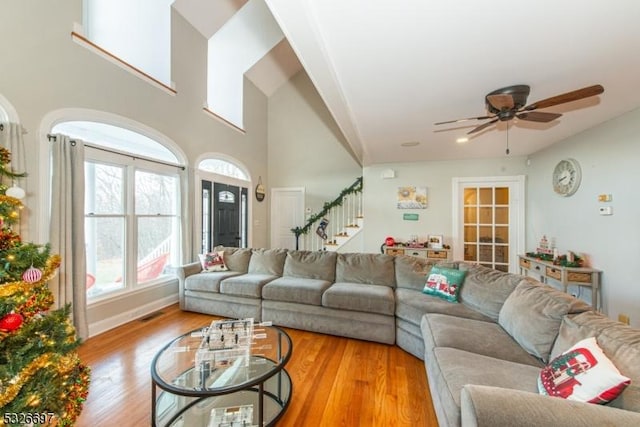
[584, 374]
[213, 261]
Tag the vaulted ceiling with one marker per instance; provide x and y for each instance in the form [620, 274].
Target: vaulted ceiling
[388, 70]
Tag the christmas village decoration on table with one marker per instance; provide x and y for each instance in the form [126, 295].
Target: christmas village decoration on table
[547, 251]
[42, 380]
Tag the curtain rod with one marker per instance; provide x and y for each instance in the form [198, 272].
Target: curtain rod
[95, 147]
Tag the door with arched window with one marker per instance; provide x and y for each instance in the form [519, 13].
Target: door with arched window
[224, 202]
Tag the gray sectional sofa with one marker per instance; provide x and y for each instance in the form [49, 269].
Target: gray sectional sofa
[482, 356]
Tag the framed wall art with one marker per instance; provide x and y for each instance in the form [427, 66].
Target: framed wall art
[411, 197]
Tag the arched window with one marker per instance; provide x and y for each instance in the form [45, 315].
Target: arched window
[132, 207]
[223, 167]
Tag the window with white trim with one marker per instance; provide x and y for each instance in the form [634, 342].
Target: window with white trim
[132, 208]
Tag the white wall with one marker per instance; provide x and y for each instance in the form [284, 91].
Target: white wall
[43, 70]
[306, 148]
[608, 155]
[383, 218]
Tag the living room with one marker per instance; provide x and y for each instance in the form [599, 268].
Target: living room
[290, 139]
[275, 127]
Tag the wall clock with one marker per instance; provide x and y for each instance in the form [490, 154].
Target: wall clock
[566, 177]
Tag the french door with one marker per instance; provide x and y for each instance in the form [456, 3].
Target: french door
[489, 221]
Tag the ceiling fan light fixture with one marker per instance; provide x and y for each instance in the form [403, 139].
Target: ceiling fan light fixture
[462, 140]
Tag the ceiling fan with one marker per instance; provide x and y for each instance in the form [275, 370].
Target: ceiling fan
[509, 103]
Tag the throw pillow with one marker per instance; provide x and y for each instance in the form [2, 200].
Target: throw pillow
[213, 261]
[444, 283]
[584, 374]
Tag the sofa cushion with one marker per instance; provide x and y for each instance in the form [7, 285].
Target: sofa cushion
[620, 343]
[246, 285]
[237, 259]
[360, 297]
[583, 373]
[372, 269]
[267, 261]
[411, 271]
[444, 283]
[296, 289]
[207, 282]
[450, 369]
[412, 305]
[486, 289]
[311, 265]
[475, 336]
[532, 315]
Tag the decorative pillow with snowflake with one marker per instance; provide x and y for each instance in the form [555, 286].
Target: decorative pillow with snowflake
[213, 261]
[584, 374]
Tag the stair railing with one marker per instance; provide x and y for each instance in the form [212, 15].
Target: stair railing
[331, 217]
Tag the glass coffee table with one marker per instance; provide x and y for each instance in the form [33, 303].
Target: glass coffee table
[253, 391]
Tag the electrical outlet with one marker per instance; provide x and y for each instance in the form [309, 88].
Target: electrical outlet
[623, 318]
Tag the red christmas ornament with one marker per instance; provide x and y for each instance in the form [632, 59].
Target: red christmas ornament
[11, 322]
[32, 275]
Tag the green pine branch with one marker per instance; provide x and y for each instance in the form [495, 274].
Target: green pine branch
[354, 188]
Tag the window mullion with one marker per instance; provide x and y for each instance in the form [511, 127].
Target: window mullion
[131, 232]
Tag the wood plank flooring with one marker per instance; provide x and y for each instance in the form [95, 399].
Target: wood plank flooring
[336, 381]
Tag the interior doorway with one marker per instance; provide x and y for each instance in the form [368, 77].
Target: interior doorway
[488, 218]
[287, 212]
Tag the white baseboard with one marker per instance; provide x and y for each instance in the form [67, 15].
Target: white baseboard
[122, 318]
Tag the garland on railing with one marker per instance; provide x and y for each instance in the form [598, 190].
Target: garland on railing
[354, 188]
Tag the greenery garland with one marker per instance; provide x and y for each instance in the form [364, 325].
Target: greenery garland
[354, 188]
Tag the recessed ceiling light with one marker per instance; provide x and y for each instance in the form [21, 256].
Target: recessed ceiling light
[410, 144]
[462, 140]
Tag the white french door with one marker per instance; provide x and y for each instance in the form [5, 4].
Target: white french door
[488, 221]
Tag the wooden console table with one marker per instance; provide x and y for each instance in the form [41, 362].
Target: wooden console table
[577, 276]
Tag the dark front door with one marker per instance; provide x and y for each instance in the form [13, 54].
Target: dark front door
[226, 215]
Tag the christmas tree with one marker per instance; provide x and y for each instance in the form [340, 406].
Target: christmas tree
[42, 381]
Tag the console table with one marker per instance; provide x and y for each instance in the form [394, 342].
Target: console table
[420, 252]
[577, 276]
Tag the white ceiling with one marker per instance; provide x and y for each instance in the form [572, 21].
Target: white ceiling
[388, 70]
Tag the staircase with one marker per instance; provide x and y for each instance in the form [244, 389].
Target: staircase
[336, 224]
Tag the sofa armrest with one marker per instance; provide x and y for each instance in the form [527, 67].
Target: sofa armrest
[493, 406]
[182, 272]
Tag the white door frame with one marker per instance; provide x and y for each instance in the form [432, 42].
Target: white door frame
[517, 209]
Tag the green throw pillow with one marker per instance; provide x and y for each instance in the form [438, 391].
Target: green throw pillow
[444, 283]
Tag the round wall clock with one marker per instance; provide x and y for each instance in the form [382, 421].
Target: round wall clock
[566, 177]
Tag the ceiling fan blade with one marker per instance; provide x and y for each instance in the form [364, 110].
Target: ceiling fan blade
[501, 101]
[566, 97]
[464, 120]
[538, 116]
[482, 126]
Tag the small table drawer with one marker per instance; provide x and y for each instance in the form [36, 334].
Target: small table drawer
[525, 263]
[554, 272]
[395, 252]
[573, 276]
[437, 254]
[415, 253]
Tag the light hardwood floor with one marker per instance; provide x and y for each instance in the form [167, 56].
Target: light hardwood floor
[336, 381]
